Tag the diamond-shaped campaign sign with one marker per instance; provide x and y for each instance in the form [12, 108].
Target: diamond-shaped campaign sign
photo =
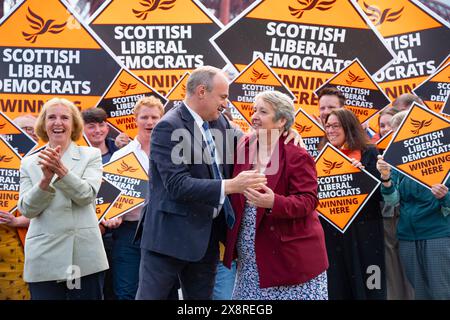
[362, 94]
[107, 196]
[159, 40]
[47, 51]
[305, 42]
[435, 89]
[18, 138]
[177, 94]
[255, 78]
[384, 141]
[343, 188]
[127, 174]
[420, 148]
[9, 176]
[419, 37]
[120, 98]
[310, 131]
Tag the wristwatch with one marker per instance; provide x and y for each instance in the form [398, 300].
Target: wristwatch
[385, 180]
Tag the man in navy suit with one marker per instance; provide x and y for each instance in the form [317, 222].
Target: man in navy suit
[188, 208]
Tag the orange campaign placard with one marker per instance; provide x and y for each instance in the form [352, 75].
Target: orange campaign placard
[343, 188]
[107, 196]
[177, 93]
[18, 138]
[384, 141]
[120, 98]
[363, 96]
[127, 174]
[9, 176]
[255, 78]
[418, 36]
[420, 149]
[304, 42]
[158, 40]
[435, 89]
[310, 131]
[46, 50]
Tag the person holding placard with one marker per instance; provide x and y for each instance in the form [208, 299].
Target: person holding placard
[357, 267]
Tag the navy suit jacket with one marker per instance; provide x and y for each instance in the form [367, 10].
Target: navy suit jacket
[183, 194]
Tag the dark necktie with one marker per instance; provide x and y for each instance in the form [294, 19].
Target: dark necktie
[227, 208]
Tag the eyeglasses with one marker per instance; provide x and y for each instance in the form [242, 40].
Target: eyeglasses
[334, 126]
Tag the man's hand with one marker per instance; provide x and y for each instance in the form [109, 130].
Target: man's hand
[292, 134]
[245, 179]
[112, 223]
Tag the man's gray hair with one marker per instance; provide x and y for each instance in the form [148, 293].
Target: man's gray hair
[282, 105]
[201, 76]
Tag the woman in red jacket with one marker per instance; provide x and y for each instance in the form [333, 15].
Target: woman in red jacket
[277, 238]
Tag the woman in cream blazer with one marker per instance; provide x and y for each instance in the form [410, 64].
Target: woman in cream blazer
[64, 253]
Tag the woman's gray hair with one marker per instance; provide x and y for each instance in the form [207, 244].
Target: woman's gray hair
[282, 105]
[397, 119]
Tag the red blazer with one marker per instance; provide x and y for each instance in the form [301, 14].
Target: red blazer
[289, 241]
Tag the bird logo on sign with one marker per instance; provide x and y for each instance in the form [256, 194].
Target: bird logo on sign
[378, 17]
[125, 167]
[353, 78]
[331, 165]
[126, 86]
[321, 5]
[41, 26]
[418, 125]
[2, 125]
[152, 5]
[300, 129]
[258, 75]
[4, 158]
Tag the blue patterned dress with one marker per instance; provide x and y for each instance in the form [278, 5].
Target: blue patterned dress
[247, 281]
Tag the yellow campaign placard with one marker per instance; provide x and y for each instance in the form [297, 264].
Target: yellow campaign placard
[435, 89]
[310, 131]
[384, 141]
[362, 94]
[120, 98]
[127, 174]
[158, 40]
[417, 35]
[255, 78]
[304, 42]
[107, 196]
[343, 188]
[420, 148]
[177, 94]
[18, 138]
[47, 51]
[9, 176]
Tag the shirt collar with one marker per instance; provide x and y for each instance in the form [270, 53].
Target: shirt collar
[196, 116]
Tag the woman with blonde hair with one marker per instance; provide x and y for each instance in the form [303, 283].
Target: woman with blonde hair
[64, 254]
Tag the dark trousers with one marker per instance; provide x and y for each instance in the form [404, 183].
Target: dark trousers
[90, 288]
[125, 258]
[108, 289]
[159, 274]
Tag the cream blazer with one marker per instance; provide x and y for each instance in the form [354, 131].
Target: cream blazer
[63, 229]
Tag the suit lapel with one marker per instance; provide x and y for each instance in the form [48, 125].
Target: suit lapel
[71, 157]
